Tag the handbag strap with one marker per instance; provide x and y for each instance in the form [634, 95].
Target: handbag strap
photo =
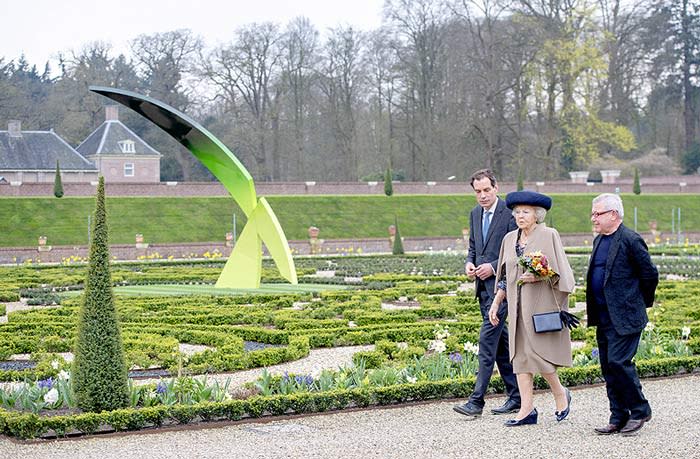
[551, 286]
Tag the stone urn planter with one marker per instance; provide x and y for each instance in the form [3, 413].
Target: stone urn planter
[139, 242]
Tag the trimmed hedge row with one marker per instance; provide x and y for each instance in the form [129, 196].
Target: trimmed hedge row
[25, 425]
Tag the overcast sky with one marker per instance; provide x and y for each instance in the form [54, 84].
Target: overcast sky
[42, 28]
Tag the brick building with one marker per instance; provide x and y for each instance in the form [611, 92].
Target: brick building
[112, 150]
[119, 154]
[30, 157]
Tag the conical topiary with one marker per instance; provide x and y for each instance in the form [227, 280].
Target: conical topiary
[388, 186]
[520, 185]
[57, 184]
[99, 369]
[397, 248]
[636, 187]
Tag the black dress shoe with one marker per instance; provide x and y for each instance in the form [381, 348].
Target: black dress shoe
[469, 409]
[607, 430]
[561, 415]
[529, 419]
[633, 426]
[510, 406]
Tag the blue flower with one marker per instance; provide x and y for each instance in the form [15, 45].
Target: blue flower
[161, 388]
[45, 383]
[595, 353]
[456, 357]
[309, 380]
[286, 376]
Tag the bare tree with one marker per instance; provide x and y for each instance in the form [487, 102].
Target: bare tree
[418, 27]
[382, 77]
[340, 80]
[495, 60]
[300, 46]
[164, 60]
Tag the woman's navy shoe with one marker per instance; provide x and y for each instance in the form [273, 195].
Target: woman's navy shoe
[561, 415]
[529, 419]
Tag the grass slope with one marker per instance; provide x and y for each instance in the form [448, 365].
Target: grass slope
[169, 220]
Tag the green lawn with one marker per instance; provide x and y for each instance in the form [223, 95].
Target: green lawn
[167, 220]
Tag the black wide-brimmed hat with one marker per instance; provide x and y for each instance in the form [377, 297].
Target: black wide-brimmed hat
[528, 198]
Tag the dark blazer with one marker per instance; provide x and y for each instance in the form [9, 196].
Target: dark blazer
[480, 251]
[629, 285]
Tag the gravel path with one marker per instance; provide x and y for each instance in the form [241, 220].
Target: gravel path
[317, 360]
[430, 430]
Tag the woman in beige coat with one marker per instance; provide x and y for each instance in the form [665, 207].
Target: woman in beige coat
[528, 294]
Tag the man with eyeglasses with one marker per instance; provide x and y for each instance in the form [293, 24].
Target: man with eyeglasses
[620, 285]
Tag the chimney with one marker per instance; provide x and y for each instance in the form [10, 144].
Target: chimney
[112, 113]
[15, 128]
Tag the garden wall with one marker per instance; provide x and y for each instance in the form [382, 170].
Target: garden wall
[649, 185]
[58, 254]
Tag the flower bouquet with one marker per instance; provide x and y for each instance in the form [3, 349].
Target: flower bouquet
[537, 264]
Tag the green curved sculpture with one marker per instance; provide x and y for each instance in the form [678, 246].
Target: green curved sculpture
[244, 267]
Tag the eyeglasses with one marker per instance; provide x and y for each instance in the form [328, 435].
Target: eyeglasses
[598, 214]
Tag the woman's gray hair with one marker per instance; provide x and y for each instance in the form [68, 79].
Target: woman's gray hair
[611, 202]
[540, 212]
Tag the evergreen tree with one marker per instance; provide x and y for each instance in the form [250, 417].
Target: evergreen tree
[397, 249]
[99, 368]
[691, 160]
[520, 185]
[636, 187]
[57, 184]
[388, 186]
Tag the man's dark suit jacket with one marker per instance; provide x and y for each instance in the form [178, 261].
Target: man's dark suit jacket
[480, 251]
[629, 285]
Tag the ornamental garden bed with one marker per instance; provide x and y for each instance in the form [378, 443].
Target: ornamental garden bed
[289, 324]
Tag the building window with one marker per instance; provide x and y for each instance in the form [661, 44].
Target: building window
[127, 146]
[128, 169]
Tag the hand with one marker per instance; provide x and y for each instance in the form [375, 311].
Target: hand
[484, 271]
[527, 278]
[470, 269]
[493, 312]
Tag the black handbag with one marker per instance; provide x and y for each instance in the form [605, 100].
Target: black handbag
[547, 322]
[554, 321]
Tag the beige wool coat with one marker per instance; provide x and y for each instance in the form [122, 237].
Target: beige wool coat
[538, 297]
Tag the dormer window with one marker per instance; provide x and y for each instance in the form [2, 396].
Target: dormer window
[127, 146]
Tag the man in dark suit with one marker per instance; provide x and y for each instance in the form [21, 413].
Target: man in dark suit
[621, 283]
[489, 222]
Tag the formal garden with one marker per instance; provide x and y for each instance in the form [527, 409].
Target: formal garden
[102, 346]
[417, 310]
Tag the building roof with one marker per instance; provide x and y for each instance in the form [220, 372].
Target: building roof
[39, 150]
[113, 138]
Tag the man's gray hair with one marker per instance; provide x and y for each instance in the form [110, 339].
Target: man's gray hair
[611, 202]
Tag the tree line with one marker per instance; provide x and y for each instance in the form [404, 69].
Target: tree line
[530, 88]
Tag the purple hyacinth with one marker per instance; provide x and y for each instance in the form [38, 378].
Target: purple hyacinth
[161, 388]
[309, 380]
[45, 383]
[285, 376]
[456, 357]
[595, 353]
